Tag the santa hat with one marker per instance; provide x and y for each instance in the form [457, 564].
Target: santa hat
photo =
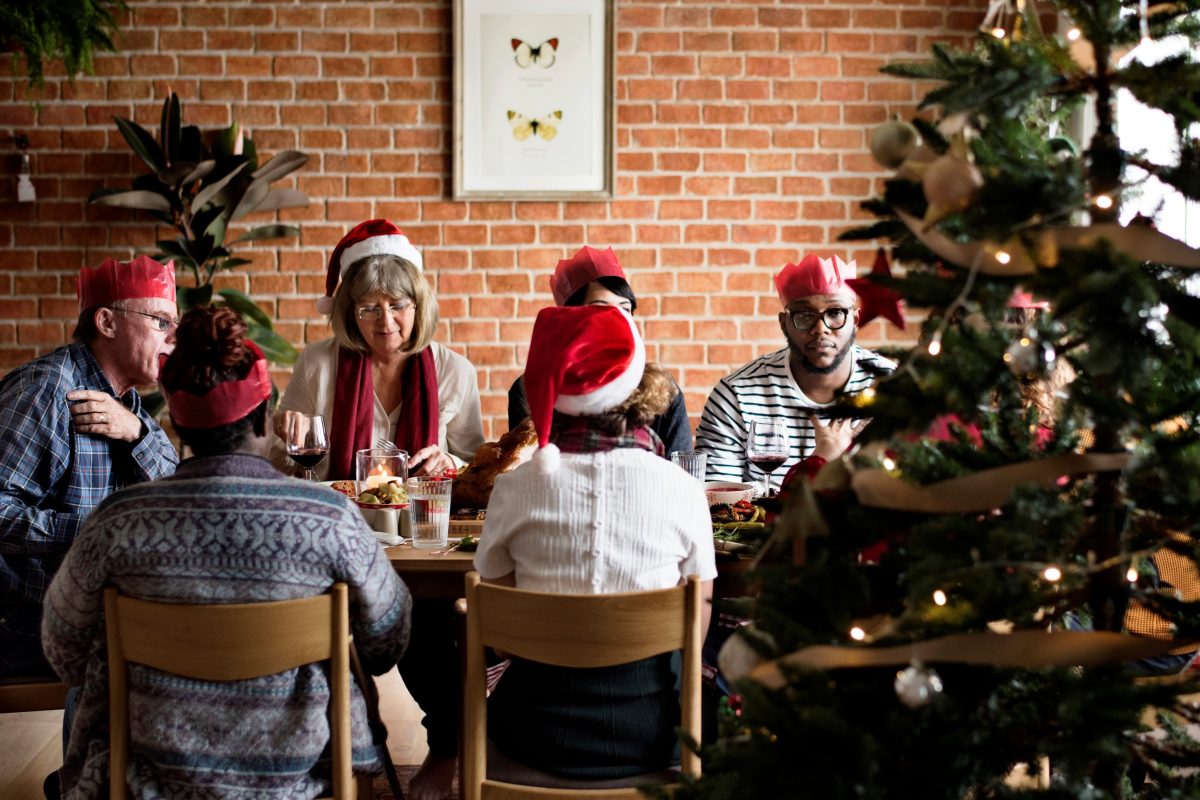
[1023, 299]
[125, 280]
[812, 276]
[583, 360]
[573, 273]
[371, 238]
[226, 402]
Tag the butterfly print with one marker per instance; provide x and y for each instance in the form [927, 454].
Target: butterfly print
[527, 55]
[523, 127]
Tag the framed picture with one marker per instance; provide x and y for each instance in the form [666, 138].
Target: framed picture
[533, 89]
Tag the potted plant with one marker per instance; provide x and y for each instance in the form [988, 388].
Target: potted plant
[66, 29]
[199, 189]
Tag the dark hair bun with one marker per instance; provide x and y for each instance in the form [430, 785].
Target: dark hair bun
[210, 349]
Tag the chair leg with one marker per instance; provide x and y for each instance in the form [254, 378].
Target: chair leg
[364, 788]
[375, 722]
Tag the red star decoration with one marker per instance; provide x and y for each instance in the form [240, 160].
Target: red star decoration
[878, 300]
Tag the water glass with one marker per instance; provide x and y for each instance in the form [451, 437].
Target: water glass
[693, 462]
[430, 512]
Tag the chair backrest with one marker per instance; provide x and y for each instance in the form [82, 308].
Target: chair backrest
[228, 643]
[575, 630]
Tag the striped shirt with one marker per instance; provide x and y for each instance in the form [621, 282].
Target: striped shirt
[766, 389]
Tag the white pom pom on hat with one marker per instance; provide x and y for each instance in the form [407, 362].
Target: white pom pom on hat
[370, 238]
[582, 360]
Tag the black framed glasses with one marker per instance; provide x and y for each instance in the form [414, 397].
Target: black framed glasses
[162, 323]
[835, 318]
[373, 313]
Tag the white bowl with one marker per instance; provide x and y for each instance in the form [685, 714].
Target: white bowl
[728, 492]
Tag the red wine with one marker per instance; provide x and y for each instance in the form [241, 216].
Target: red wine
[308, 457]
[768, 464]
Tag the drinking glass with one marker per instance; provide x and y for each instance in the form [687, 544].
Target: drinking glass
[429, 508]
[690, 461]
[767, 448]
[307, 443]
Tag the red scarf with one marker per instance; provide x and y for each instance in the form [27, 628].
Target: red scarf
[354, 408]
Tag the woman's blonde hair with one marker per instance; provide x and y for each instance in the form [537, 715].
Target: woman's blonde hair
[395, 277]
[652, 397]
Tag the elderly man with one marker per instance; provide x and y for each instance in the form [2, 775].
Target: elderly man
[72, 431]
[820, 364]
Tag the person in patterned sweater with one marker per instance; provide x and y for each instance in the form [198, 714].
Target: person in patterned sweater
[227, 527]
[821, 363]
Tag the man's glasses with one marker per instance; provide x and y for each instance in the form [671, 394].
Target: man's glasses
[373, 313]
[162, 323]
[834, 318]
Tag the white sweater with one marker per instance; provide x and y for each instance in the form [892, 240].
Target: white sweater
[460, 424]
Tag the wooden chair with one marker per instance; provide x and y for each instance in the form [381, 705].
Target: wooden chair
[571, 630]
[230, 643]
[31, 694]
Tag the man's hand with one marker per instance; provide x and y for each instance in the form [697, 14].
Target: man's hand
[100, 414]
[834, 437]
[429, 461]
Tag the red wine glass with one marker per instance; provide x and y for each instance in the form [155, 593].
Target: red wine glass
[767, 448]
[307, 443]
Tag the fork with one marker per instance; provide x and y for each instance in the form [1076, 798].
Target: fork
[384, 444]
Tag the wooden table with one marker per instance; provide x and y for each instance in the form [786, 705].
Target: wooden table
[430, 575]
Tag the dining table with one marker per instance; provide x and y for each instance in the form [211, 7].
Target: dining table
[431, 573]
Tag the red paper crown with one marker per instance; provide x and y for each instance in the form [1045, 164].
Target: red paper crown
[573, 273]
[370, 238]
[125, 280]
[582, 360]
[226, 402]
[812, 276]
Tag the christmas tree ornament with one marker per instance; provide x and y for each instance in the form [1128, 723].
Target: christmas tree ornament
[877, 300]
[952, 183]
[893, 142]
[917, 685]
[1030, 356]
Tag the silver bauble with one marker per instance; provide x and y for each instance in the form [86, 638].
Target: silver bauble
[893, 142]
[1029, 356]
[917, 684]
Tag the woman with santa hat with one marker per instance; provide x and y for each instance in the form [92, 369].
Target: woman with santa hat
[595, 511]
[381, 376]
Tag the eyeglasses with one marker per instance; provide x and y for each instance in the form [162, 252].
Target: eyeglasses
[372, 313]
[162, 323]
[834, 318]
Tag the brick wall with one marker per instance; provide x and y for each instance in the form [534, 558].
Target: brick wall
[741, 143]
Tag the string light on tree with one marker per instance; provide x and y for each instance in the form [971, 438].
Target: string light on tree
[858, 634]
[939, 597]
[1052, 574]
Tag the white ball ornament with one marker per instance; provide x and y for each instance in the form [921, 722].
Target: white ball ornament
[893, 142]
[917, 684]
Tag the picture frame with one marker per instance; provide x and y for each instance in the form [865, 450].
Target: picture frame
[533, 99]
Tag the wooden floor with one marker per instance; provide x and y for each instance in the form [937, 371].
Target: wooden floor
[31, 743]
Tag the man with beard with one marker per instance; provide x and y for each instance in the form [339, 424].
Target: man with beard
[820, 365]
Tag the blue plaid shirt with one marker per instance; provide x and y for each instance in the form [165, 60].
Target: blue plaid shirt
[52, 476]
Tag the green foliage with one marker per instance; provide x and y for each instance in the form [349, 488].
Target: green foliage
[1126, 380]
[198, 190]
[68, 29]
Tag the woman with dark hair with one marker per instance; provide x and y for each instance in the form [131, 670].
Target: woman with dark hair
[595, 511]
[382, 377]
[226, 528]
[594, 277]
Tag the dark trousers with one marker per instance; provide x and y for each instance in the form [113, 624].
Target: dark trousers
[432, 671]
[21, 642]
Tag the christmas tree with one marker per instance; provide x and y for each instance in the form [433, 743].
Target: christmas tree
[978, 588]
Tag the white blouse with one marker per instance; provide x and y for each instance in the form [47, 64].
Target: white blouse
[620, 521]
[460, 423]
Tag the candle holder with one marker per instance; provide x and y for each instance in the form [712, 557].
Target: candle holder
[377, 465]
